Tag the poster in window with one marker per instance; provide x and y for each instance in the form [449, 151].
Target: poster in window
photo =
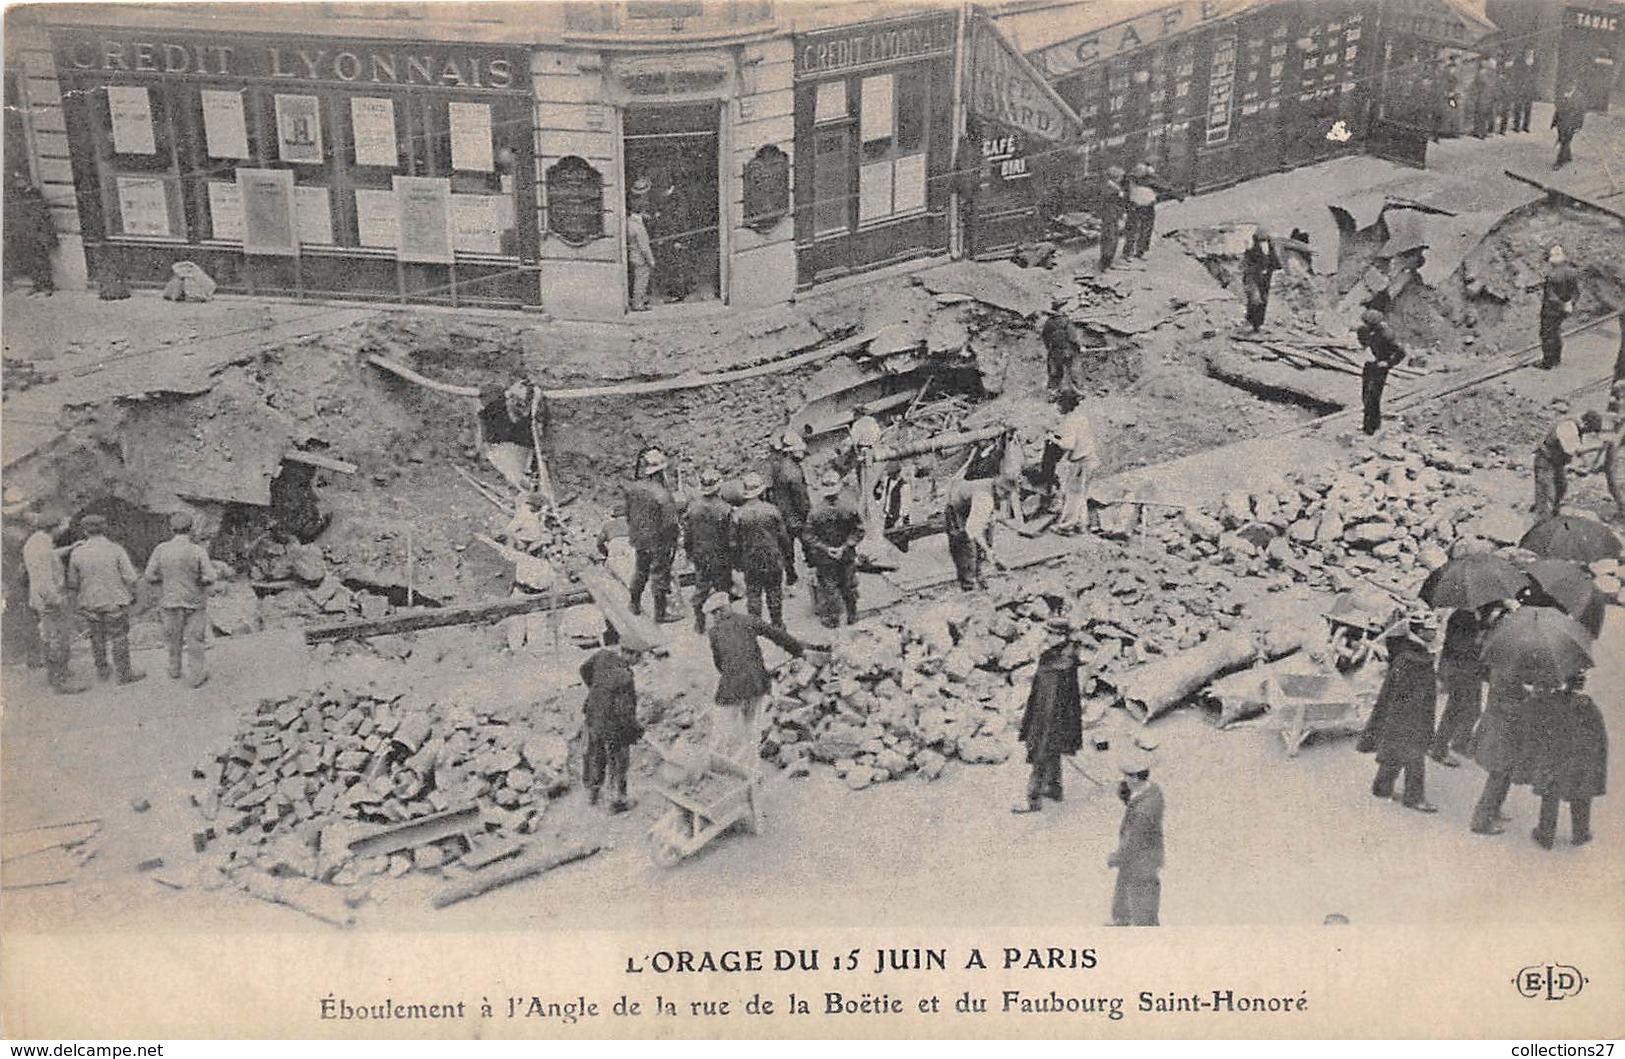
[313, 214]
[143, 204]
[226, 210]
[471, 137]
[268, 212]
[130, 110]
[375, 218]
[874, 191]
[876, 120]
[372, 120]
[477, 224]
[299, 129]
[830, 102]
[224, 130]
[909, 196]
[423, 207]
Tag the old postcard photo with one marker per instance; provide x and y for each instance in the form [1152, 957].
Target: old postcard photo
[750, 518]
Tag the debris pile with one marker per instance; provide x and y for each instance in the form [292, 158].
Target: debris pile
[342, 785]
[1389, 519]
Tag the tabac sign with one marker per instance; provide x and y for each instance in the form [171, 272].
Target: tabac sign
[1069, 56]
[1004, 88]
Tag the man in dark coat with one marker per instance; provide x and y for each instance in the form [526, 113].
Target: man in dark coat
[1524, 86]
[1052, 723]
[1487, 91]
[787, 491]
[1568, 759]
[1500, 746]
[1258, 266]
[1401, 726]
[611, 712]
[743, 681]
[709, 537]
[1138, 859]
[830, 540]
[1567, 117]
[30, 237]
[1386, 353]
[1461, 676]
[1061, 352]
[1558, 293]
[764, 548]
[652, 526]
[1108, 201]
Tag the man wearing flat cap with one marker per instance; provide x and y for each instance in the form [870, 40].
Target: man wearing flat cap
[708, 535]
[743, 681]
[653, 528]
[764, 550]
[1138, 858]
[834, 530]
[48, 597]
[182, 571]
[1052, 723]
[101, 572]
[787, 490]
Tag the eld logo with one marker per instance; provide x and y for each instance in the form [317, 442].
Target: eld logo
[1552, 981]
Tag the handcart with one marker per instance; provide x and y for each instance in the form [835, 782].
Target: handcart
[1307, 704]
[704, 803]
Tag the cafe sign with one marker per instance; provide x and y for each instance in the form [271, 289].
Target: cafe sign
[289, 61]
[1117, 38]
[851, 49]
[1004, 88]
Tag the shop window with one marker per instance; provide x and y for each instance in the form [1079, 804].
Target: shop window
[893, 112]
[832, 170]
[139, 180]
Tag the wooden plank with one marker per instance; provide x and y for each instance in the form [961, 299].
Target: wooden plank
[639, 389]
[1552, 189]
[636, 631]
[531, 865]
[325, 462]
[434, 618]
[417, 832]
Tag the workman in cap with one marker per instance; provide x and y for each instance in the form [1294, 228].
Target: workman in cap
[1386, 354]
[764, 551]
[1557, 452]
[1052, 722]
[101, 572]
[1080, 458]
[652, 527]
[1401, 726]
[1108, 200]
[611, 716]
[972, 507]
[743, 681]
[830, 541]
[1259, 264]
[1558, 293]
[1142, 189]
[709, 537]
[1137, 899]
[1062, 351]
[640, 254]
[48, 597]
[787, 491]
[183, 572]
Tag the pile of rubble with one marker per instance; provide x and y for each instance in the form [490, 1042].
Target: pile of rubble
[949, 682]
[1390, 519]
[342, 785]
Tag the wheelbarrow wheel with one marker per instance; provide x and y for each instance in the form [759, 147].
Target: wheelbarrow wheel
[665, 842]
[666, 855]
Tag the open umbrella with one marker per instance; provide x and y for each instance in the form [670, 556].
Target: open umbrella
[1572, 537]
[1472, 581]
[1569, 586]
[1537, 645]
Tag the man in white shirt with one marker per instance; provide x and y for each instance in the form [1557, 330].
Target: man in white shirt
[968, 520]
[48, 598]
[1554, 456]
[1075, 436]
[640, 255]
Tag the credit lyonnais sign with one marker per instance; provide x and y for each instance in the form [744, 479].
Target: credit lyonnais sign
[341, 62]
[1004, 88]
[853, 48]
[1059, 60]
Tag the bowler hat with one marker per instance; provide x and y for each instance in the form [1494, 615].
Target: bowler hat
[93, 524]
[752, 486]
[710, 483]
[180, 522]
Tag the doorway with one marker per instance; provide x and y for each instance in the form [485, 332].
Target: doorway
[671, 155]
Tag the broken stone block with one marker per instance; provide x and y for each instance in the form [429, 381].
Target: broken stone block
[1370, 533]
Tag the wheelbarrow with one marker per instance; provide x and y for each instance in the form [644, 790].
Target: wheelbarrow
[703, 803]
[1309, 704]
